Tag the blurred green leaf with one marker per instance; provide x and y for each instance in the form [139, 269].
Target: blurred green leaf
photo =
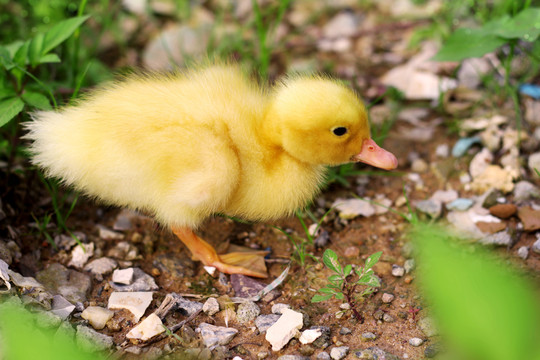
[319, 297]
[487, 310]
[525, 25]
[60, 32]
[49, 58]
[6, 58]
[347, 270]
[35, 49]
[372, 260]
[7, 93]
[339, 296]
[334, 278]
[330, 259]
[468, 43]
[327, 291]
[37, 100]
[21, 56]
[9, 108]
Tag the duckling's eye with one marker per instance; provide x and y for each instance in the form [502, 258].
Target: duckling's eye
[339, 131]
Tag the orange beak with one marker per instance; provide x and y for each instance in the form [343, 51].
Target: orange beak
[372, 154]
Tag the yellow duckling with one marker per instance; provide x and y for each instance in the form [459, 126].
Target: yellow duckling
[189, 145]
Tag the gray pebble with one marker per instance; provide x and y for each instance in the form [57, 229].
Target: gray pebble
[502, 238]
[432, 350]
[427, 325]
[90, 340]
[323, 356]
[432, 208]
[525, 190]
[322, 341]
[460, 204]
[387, 298]
[536, 246]
[292, 357]
[211, 306]
[344, 331]
[216, 335]
[247, 311]
[368, 336]
[339, 352]
[278, 308]
[523, 252]
[263, 322]
[409, 265]
[141, 282]
[416, 341]
[388, 318]
[398, 271]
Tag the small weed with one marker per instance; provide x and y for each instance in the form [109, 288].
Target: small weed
[344, 282]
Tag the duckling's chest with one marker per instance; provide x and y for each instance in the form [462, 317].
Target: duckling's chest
[269, 192]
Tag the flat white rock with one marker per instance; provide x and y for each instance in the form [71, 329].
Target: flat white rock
[4, 277]
[97, 316]
[351, 208]
[80, 256]
[123, 276]
[216, 335]
[147, 329]
[135, 302]
[310, 335]
[279, 334]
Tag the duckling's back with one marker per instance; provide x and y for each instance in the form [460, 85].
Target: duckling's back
[163, 144]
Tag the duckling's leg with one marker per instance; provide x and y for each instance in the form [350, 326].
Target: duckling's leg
[233, 263]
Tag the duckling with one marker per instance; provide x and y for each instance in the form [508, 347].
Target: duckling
[206, 141]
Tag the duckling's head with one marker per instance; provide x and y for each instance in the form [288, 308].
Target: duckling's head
[320, 121]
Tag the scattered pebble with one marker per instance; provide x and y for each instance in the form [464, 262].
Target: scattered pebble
[279, 334]
[81, 254]
[419, 165]
[310, 335]
[463, 144]
[141, 282]
[263, 322]
[536, 246]
[501, 238]
[216, 335]
[530, 218]
[90, 340]
[444, 196]
[100, 267]
[351, 252]
[71, 284]
[278, 308]
[374, 353]
[123, 276]
[339, 352]
[525, 190]
[323, 355]
[211, 306]
[442, 150]
[430, 207]
[432, 350]
[398, 271]
[368, 336]
[345, 331]
[388, 318]
[409, 265]
[523, 252]
[61, 307]
[351, 208]
[247, 311]
[427, 325]
[135, 302]
[387, 298]
[534, 162]
[343, 24]
[493, 177]
[416, 341]
[147, 329]
[108, 234]
[247, 287]
[480, 163]
[460, 204]
[503, 211]
[97, 316]
[322, 341]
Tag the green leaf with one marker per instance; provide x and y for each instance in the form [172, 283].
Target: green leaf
[326, 290]
[485, 308]
[365, 279]
[319, 298]
[334, 278]
[347, 270]
[6, 58]
[525, 25]
[9, 108]
[372, 260]
[7, 93]
[373, 281]
[49, 58]
[339, 296]
[468, 43]
[60, 32]
[35, 49]
[37, 100]
[21, 56]
[331, 261]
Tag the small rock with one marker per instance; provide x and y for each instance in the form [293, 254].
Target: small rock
[310, 335]
[351, 208]
[278, 308]
[351, 252]
[80, 255]
[344, 24]
[530, 218]
[378, 315]
[97, 316]
[502, 238]
[147, 329]
[216, 335]
[279, 334]
[503, 211]
[490, 227]
[322, 239]
[368, 336]
[292, 357]
[135, 302]
[176, 267]
[100, 267]
[339, 353]
[442, 150]
[323, 355]
[47, 320]
[525, 190]
[123, 276]
[211, 306]
[427, 325]
[262, 355]
[247, 311]
[90, 340]
[387, 298]
[187, 307]
[247, 287]
[322, 341]
[430, 207]
[61, 307]
[493, 177]
[432, 350]
[345, 331]
[108, 234]
[141, 282]
[463, 144]
[263, 322]
[444, 196]
[480, 163]
[375, 353]
[388, 318]
[409, 265]
[460, 204]
[523, 252]
[71, 284]
[398, 271]
[534, 163]
[419, 165]
[536, 246]
[416, 342]
[125, 220]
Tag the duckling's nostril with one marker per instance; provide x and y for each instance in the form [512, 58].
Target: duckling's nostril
[371, 148]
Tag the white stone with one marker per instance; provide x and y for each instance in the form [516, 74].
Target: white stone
[279, 334]
[416, 341]
[211, 306]
[101, 266]
[344, 24]
[442, 150]
[310, 335]
[147, 329]
[97, 316]
[523, 252]
[351, 208]
[216, 335]
[480, 162]
[123, 276]
[444, 196]
[534, 163]
[61, 307]
[108, 234]
[4, 277]
[80, 255]
[134, 302]
[278, 308]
